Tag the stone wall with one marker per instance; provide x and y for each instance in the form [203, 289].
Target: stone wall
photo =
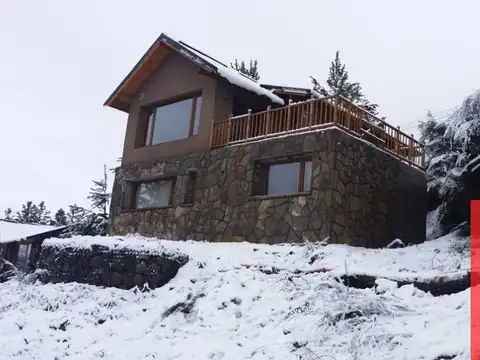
[377, 198]
[354, 195]
[109, 264]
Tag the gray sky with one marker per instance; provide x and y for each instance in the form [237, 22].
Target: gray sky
[60, 60]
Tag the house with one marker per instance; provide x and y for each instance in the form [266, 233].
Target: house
[210, 154]
[20, 243]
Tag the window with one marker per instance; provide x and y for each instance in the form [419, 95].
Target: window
[190, 188]
[283, 178]
[154, 194]
[23, 257]
[173, 121]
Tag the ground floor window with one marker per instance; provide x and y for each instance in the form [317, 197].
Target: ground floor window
[282, 178]
[151, 194]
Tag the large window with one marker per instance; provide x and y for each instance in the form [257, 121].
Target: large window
[154, 194]
[283, 178]
[173, 121]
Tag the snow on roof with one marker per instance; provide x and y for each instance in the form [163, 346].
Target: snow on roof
[231, 75]
[235, 78]
[286, 89]
[11, 231]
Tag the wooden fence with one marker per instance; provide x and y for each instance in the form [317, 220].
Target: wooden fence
[316, 114]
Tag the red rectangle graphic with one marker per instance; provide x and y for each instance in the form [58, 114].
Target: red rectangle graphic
[475, 279]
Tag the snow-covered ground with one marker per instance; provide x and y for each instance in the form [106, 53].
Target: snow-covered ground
[220, 306]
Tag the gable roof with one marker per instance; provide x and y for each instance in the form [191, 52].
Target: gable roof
[11, 231]
[122, 96]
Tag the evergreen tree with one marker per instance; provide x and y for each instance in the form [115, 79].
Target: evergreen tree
[60, 218]
[28, 214]
[91, 222]
[450, 146]
[75, 214]
[43, 214]
[99, 196]
[251, 71]
[35, 215]
[339, 84]
[8, 214]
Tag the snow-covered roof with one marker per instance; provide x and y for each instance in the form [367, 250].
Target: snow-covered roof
[287, 89]
[146, 65]
[11, 231]
[231, 75]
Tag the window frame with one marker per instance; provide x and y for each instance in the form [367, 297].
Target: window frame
[301, 179]
[150, 110]
[130, 197]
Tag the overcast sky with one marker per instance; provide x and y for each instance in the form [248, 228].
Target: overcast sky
[60, 60]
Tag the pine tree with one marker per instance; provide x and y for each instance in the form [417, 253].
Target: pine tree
[60, 217]
[8, 214]
[34, 215]
[85, 222]
[92, 224]
[339, 84]
[28, 214]
[449, 147]
[98, 194]
[75, 214]
[251, 71]
[43, 214]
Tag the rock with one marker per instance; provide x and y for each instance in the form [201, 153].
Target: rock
[115, 268]
[115, 279]
[96, 262]
[139, 280]
[141, 268]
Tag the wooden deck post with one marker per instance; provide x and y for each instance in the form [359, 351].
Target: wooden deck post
[229, 130]
[336, 104]
[422, 164]
[397, 141]
[289, 113]
[212, 129]
[410, 148]
[267, 122]
[310, 113]
[249, 124]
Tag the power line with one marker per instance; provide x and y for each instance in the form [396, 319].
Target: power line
[439, 115]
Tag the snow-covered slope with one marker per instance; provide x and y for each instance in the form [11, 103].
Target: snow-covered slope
[222, 305]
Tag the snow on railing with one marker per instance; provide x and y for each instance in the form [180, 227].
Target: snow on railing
[313, 114]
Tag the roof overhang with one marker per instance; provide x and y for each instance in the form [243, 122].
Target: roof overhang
[278, 89]
[123, 95]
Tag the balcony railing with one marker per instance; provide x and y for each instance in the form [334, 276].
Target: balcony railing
[316, 114]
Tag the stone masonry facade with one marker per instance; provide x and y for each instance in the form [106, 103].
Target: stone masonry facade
[359, 195]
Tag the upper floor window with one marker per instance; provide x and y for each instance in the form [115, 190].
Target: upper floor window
[173, 121]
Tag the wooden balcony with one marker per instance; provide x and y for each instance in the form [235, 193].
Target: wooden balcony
[311, 115]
